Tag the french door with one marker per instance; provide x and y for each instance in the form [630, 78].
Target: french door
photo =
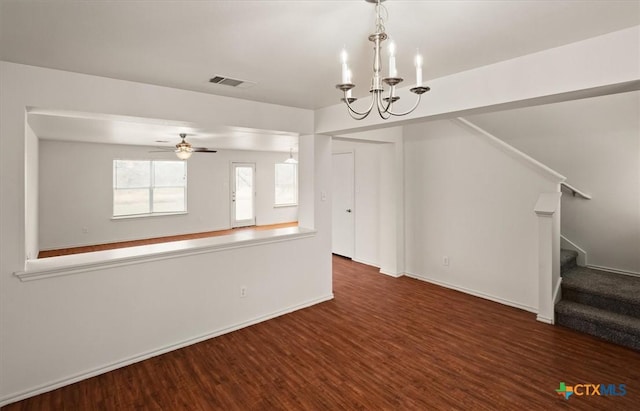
[243, 194]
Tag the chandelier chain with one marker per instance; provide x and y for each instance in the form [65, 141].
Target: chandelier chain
[380, 17]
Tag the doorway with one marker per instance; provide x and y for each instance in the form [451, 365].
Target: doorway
[343, 236]
[243, 210]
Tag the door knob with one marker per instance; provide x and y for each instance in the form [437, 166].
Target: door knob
[348, 210]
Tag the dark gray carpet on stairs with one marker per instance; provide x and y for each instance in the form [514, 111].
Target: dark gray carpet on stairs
[602, 304]
[613, 292]
[567, 260]
[616, 328]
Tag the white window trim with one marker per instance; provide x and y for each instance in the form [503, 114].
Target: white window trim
[130, 216]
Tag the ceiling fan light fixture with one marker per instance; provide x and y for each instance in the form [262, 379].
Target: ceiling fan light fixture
[183, 154]
[183, 149]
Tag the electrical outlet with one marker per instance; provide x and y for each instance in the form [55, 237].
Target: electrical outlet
[85, 230]
[243, 291]
[445, 261]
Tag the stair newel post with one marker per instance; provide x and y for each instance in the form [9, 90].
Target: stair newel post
[548, 211]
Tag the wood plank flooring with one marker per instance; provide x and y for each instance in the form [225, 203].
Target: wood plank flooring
[156, 240]
[382, 343]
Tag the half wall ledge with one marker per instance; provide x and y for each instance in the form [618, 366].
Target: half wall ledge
[80, 263]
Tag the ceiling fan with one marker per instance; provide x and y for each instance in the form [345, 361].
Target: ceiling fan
[184, 149]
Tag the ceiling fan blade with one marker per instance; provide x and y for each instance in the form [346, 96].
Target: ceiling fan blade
[203, 150]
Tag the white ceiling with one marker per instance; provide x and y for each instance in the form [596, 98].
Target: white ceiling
[290, 48]
[607, 116]
[111, 129]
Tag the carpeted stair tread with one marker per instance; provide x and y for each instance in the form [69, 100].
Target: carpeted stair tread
[615, 320]
[567, 255]
[619, 287]
[613, 327]
[568, 260]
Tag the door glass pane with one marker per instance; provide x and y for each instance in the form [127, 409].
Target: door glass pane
[244, 193]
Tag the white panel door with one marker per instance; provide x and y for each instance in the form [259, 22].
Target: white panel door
[343, 207]
[243, 210]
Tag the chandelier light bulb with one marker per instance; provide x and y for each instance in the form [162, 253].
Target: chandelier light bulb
[345, 67]
[393, 71]
[418, 70]
[343, 56]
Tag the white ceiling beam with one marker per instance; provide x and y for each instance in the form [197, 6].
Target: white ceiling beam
[601, 65]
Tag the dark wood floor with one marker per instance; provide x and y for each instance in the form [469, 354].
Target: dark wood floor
[156, 240]
[382, 343]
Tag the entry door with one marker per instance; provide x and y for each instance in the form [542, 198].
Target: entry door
[343, 210]
[243, 210]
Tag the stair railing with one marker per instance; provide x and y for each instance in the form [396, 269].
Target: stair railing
[574, 191]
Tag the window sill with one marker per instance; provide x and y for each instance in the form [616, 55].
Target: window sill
[285, 205]
[98, 260]
[128, 217]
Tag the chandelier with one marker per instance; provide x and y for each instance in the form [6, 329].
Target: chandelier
[383, 105]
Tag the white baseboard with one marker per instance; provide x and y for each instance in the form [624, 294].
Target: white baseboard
[382, 270]
[153, 353]
[474, 293]
[614, 270]
[365, 262]
[544, 319]
[390, 273]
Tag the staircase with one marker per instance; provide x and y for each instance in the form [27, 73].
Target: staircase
[599, 303]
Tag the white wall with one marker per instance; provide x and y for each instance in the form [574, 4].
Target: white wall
[31, 191]
[595, 143]
[76, 193]
[56, 330]
[470, 199]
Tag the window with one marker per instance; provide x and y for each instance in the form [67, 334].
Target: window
[286, 184]
[143, 187]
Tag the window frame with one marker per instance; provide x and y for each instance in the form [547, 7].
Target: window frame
[295, 185]
[150, 189]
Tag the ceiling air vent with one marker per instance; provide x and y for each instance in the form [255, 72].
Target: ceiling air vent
[232, 82]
